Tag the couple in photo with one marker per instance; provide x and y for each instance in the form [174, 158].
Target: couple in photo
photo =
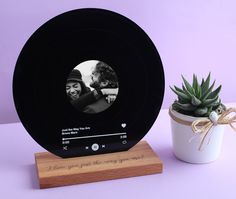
[104, 90]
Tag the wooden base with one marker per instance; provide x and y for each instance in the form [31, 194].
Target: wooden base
[54, 171]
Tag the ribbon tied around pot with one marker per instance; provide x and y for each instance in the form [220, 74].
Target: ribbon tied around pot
[203, 126]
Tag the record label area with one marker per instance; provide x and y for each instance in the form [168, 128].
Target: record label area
[92, 87]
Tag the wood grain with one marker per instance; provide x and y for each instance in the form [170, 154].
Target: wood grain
[54, 171]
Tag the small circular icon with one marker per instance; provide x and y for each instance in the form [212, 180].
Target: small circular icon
[95, 147]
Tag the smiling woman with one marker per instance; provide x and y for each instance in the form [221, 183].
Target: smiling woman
[75, 87]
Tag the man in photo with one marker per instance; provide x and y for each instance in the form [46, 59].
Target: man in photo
[103, 77]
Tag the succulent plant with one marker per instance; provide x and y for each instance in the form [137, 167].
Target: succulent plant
[197, 100]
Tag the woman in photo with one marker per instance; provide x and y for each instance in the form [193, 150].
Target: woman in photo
[75, 87]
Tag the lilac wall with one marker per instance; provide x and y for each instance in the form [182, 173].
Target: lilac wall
[191, 36]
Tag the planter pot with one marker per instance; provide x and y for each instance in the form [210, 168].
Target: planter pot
[186, 143]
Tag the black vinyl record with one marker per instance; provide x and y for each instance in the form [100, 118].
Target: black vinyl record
[101, 57]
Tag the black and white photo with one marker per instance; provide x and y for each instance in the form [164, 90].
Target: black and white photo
[92, 86]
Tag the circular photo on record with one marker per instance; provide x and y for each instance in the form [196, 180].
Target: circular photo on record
[92, 86]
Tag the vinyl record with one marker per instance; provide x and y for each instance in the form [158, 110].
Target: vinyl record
[87, 82]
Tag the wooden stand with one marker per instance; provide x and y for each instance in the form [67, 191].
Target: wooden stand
[54, 171]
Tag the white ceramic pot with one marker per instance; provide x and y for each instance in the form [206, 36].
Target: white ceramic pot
[186, 143]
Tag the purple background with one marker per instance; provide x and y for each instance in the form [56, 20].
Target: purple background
[191, 36]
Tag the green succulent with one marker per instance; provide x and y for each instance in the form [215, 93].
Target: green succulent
[196, 99]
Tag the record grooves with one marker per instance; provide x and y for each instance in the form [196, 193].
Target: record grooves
[88, 81]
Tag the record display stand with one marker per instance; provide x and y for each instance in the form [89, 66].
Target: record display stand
[54, 171]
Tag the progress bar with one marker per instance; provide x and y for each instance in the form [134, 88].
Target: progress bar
[93, 136]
